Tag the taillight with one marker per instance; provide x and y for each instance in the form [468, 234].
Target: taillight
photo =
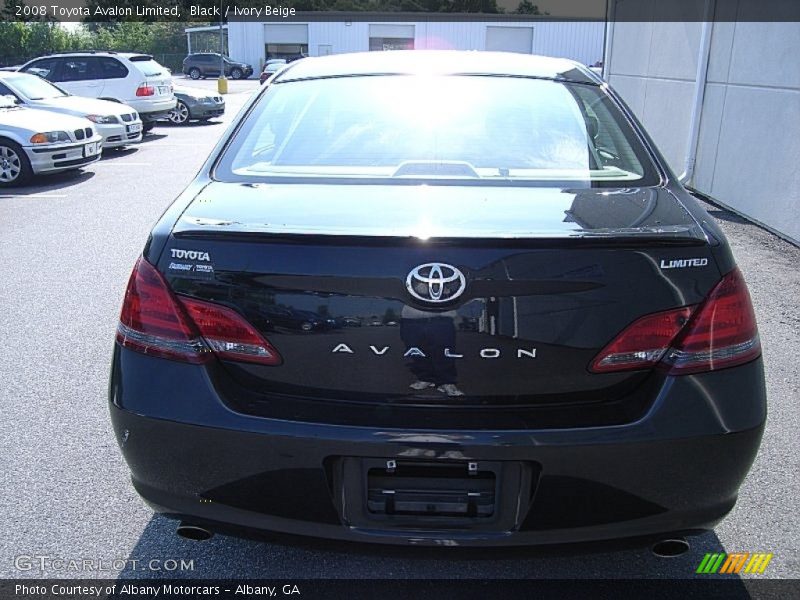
[721, 332]
[643, 343]
[156, 322]
[145, 90]
[151, 321]
[228, 334]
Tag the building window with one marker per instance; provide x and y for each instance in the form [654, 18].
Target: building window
[381, 43]
[287, 51]
[389, 36]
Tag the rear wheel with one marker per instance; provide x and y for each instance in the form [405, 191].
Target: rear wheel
[180, 114]
[15, 168]
[148, 126]
[236, 73]
[194, 73]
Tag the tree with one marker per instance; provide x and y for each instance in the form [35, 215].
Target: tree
[526, 7]
[21, 41]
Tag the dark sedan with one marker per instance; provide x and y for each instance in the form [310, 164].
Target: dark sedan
[575, 356]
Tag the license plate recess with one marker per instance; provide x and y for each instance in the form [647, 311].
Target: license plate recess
[440, 495]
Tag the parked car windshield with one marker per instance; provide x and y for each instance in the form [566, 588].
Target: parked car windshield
[34, 88]
[481, 128]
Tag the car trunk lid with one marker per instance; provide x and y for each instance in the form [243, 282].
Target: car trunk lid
[326, 274]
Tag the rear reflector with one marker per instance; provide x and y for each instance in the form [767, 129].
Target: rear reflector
[156, 322]
[721, 332]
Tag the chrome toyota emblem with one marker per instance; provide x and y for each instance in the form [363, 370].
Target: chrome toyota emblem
[435, 282]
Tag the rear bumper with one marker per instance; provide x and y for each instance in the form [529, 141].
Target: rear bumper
[154, 110]
[672, 471]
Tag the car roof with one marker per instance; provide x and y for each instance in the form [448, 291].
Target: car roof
[438, 62]
[95, 53]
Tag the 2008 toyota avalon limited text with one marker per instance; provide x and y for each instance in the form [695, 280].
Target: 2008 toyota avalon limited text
[438, 297]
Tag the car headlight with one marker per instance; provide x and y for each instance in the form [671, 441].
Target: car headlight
[50, 137]
[102, 119]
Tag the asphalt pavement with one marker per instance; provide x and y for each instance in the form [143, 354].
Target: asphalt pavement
[67, 246]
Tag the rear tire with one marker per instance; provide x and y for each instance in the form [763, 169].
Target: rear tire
[194, 73]
[236, 73]
[147, 127]
[15, 168]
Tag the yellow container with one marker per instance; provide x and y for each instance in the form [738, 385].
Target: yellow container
[222, 85]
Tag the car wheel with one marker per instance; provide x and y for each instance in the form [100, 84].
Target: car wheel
[148, 126]
[15, 168]
[180, 114]
[236, 73]
[194, 73]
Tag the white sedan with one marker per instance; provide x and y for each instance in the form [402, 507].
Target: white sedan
[34, 141]
[118, 123]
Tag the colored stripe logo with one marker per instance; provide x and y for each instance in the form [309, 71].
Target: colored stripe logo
[736, 562]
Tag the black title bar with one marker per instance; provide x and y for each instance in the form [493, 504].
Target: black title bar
[205, 11]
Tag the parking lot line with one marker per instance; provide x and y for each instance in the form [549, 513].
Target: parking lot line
[33, 195]
[123, 164]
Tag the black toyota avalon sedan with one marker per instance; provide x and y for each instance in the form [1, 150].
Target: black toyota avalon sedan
[557, 344]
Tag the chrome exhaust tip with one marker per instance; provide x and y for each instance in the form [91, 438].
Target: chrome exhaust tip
[193, 532]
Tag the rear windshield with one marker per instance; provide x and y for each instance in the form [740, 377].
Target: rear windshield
[478, 128]
[148, 66]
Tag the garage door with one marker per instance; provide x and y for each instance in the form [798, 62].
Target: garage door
[286, 34]
[287, 40]
[510, 39]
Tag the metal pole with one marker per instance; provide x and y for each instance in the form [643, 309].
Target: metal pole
[222, 82]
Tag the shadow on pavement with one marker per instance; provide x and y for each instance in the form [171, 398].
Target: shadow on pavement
[48, 184]
[113, 153]
[191, 124]
[152, 136]
[224, 557]
[725, 215]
